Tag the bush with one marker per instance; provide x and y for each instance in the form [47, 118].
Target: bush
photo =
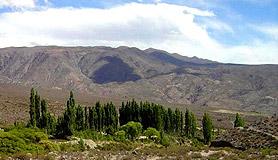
[164, 139]
[68, 147]
[152, 134]
[10, 143]
[120, 136]
[49, 146]
[82, 145]
[18, 140]
[132, 129]
[117, 146]
[29, 135]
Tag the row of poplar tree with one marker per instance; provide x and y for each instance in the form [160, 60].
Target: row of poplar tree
[156, 116]
[39, 115]
[107, 118]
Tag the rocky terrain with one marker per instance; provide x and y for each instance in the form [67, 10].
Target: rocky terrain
[155, 75]
[262, 134]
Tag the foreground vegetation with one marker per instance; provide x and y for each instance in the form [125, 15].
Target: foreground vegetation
[131, 119]
[138, 128]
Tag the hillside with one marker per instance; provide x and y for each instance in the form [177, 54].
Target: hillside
[150, 74]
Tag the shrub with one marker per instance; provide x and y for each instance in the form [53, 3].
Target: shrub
[10, 143]
[68, 147]
[21, 140]
[29, 135]
[239, 122]
[132, 129]
[118, 146]
[152, 134]
[82, 145]
[207, 128]
[164, 139]
[120, 136]
[50, 146]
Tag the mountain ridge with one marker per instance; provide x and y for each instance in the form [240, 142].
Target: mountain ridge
[144, 74]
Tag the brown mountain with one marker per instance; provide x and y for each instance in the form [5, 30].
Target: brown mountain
[151, 74]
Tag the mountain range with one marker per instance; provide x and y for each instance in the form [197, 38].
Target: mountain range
[151, 74]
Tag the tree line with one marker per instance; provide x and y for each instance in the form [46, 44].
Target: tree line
[158, 117]
[39, 115]
[107, 118]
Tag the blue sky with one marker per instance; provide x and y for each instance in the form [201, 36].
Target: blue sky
[233, 31]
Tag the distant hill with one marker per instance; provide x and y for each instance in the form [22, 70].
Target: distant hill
[150, 74]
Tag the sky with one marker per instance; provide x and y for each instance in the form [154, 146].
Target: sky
[230, 31]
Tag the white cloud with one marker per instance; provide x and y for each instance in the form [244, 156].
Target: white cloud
[18, 3]
[217, 25]
[162, 26]
[268, 29]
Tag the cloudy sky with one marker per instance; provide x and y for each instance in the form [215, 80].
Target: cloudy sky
[233, 31]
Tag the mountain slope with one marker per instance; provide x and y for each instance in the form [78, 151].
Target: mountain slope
[143, 74]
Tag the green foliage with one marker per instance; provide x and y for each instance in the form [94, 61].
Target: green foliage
[86, 123]
[32, 111]
[51, 124]
[187, 123]
[82, 145]
[239, 122]
[132, 129]
[164, 140]
[44, 122]
[207, 128]
[110, 130]
[177, 120]
[29, 135]
[80, 118]
[68, 147]
[21, 140]
[152, 133]
[120, 136]
[67, 123]
[190, 124]
[104, 118]
[152, 115]
[193, 125]
[118, 146]
[49, 146]
[37, 109]
[268, 151]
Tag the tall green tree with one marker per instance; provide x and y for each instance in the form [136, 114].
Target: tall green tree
[80, 119]
[207, 128]
[171, 120]
[239, 122]
[51, 124]
[44, 114]
[181, 123]
[193, 125]
[86, 118]
[37, 109]
[177, 120]
[32, 111]
[98, 118]
[67, 123]
[92, 118]
[187, 123]
[158, 117]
